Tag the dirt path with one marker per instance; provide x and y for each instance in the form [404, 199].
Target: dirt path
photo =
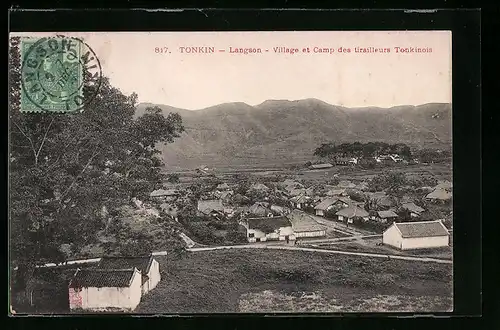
[294, 248]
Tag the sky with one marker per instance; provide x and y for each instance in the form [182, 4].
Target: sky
[134, 62]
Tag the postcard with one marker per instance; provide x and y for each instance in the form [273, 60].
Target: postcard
[230, 172]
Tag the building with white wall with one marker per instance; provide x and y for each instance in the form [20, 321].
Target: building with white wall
[264, 229]
[416, 235]
[105, 290]
[147, 265]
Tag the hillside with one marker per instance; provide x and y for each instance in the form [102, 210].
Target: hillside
[279, 131]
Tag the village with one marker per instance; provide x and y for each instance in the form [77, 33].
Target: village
[401, 211]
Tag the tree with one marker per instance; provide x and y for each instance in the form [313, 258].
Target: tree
[173, 178]
[65, 167]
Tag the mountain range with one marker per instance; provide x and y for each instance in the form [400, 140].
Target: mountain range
[282, 131]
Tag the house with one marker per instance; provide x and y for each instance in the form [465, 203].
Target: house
[268, 228]
[304, 225]
[309, 191]
[447, 185]
[416, 235]
[351, 212]
[279, 210]
[224, 195]
[289, 184]
[385, 216]
[353, 160]
[379, 200]
[296, 192]
[332, 203]
[363, 186]
[439, 195]
[345, 184]
[415, 210]
[260, 209]
[210, 207]
[164, 194]
[239, 199]
[259, 187]
[223, 186]
[320, 166]
[171, 210]
[105, 289]
[147, 265]
[300, 201]
[343, 161]
[337, 192]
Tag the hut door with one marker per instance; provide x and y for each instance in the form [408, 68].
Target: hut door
[75, 298]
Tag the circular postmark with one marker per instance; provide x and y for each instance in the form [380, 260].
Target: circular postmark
[58, 74]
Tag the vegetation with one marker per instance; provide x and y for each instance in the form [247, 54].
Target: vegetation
[211, 282]
[388, 181]
[173, 178]
[69, 174]
[358, 149]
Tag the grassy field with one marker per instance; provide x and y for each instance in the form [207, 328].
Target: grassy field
[370, 246]
[292, 281]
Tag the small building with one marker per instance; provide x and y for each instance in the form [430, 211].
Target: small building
[259, 187]
[321, 166]
[350, 213]
[296, 192]
[170, 210]
[147, 265]
[343, 161]
[210, 207]
[337, 192]
[416, 235]
[385, 216]
[440, 195]
[447, 185]
[268, 228]
[225, 195]
[331, 203]
[279, 210]
[260, 209]
[346, 184]
[304, 225]
[300, 201]
[223, 186]
[164, 194]
[105, 290]
[415, 210]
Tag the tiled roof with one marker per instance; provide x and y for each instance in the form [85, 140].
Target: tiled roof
[100, 278]
[334, 192]
[141, 263]
[422, 229]
[412, 207]
[303, 222]
[207, 206]
[259, 208]
[163, 192]
[300, 199]
[318, 166]
[352, 211]
[259, 186]
[439, 194]
[325, 203]
[387, 214]
[268, 224]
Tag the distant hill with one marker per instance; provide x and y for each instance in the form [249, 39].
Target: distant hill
[280, 131]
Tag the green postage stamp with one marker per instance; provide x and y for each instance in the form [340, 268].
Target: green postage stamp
[58, 74]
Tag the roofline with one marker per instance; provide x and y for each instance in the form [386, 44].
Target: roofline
[71, 281]
[421, 222]
[133, 276]
[394, 224]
